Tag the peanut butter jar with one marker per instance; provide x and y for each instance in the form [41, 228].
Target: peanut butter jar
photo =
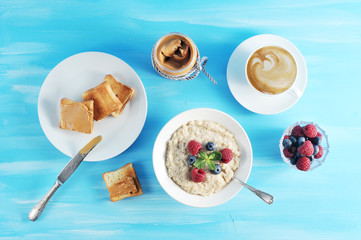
[175, 54]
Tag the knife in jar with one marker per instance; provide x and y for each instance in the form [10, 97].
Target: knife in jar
[63, 176]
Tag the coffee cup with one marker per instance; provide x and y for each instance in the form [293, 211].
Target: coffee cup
[272, 70]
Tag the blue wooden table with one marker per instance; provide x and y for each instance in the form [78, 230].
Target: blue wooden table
[320, 204]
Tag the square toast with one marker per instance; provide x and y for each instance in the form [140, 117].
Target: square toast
[105, 101]
[77, 116]
[123, 92]
[122, 183]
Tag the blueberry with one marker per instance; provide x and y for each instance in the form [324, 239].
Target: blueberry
[316, 149]
[311, 158]
[218, 169]
[286, 143]
[298, 155]
[210, 146]
[301, 140]
[317, 141]
[191, 160]
[293, 140]
[293, 160]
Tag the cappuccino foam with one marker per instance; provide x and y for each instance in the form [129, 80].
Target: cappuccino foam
[271, 70]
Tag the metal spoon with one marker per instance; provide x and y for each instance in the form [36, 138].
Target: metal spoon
[268, 198]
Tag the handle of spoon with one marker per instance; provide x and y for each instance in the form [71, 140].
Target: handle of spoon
[268, 198]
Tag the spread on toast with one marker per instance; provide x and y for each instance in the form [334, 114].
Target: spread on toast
[108, 98]
[105, 101]
[77, 116]
[123, 92]
[122, 183]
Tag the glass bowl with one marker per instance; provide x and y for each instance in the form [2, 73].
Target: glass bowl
[325, 145]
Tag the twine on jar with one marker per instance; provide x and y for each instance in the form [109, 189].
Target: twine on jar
[193, 73]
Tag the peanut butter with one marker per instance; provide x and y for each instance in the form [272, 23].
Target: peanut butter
[175, 53]
[124, 186]
[90, 145]
[76, 116]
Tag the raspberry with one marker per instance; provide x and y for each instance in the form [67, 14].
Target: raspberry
[194, 147]
[227, 155]
[198, 175]
[306, 149]
[286, 137]
[320, 152]
[303, 164]
[287, 153]
[310, 130]
[297, 131]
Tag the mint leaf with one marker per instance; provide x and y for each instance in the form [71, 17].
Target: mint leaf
[203, 155]
[211, 165]
[200, 163]
[207, 159]
[211, 156]
[215, 156]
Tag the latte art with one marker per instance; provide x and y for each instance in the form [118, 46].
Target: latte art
[271, 70]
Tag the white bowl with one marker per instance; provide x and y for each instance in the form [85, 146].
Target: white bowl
[159, 157]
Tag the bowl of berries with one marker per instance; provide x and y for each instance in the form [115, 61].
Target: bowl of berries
[304, 146]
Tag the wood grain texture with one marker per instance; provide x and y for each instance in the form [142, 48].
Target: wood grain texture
[322, 204]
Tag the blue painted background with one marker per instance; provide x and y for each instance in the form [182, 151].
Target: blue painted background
[322, 204]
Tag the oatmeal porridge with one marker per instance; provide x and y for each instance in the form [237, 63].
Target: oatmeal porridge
[203, 132]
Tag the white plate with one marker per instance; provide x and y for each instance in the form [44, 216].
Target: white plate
[241, 89]
[159, 153]
[70, 79]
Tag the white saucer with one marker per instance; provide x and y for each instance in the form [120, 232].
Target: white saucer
[70, 79]
[241, 89]
[159, 153]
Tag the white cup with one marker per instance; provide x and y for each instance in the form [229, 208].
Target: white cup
[292, 90]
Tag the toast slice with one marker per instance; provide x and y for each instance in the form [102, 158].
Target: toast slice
[105, 101]
[77, 116]
[123, 92]
[122, 183]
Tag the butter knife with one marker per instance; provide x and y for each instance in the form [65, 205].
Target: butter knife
[63, 176]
